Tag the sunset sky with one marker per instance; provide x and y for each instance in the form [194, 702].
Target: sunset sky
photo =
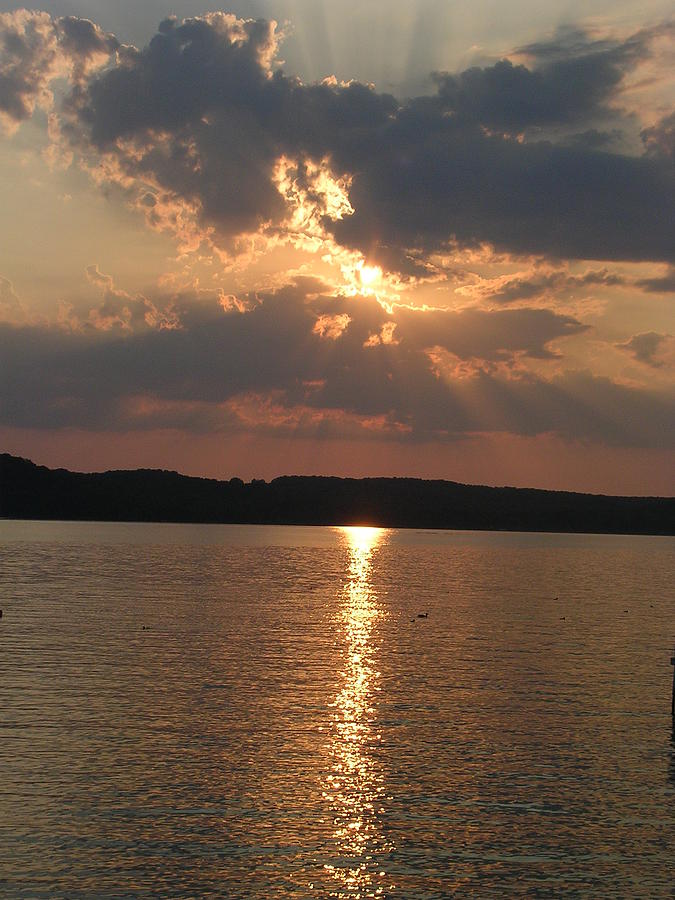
[360, 238]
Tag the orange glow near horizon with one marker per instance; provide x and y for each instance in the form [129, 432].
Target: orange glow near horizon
[543, 461]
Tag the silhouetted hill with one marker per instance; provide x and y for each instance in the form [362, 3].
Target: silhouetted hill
[28, 491]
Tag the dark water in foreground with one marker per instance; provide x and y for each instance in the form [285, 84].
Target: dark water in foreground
[250, 712]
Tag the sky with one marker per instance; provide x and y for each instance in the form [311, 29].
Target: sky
[416, 238]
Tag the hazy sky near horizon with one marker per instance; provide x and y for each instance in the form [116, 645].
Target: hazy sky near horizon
[422, 238]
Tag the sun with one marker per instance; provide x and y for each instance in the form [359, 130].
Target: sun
[369, 275]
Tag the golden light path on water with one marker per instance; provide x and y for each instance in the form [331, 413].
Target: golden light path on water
[354, 787]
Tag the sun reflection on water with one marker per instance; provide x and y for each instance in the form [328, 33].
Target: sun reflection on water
[355, 785]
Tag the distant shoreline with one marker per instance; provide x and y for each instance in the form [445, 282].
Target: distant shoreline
[28, 491]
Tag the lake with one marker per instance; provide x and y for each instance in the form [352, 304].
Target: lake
[251, 711]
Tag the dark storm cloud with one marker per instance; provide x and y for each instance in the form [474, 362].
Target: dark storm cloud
[203, 115]
[195, 376]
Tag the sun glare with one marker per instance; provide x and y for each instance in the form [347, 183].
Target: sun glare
[369, 275]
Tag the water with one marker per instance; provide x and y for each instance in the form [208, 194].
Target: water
[254, 712]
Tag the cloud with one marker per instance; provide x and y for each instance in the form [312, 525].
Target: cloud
[572, 79]
[660, 285]
[10, 305]
[120, 311]
[651, 348]
[659, 140]
[35, 49]
[300, 360]
[475, 333]
[201, 116]
[431, 181]
[594, 138]
[530, 285]
[201, 127]
[84, 42]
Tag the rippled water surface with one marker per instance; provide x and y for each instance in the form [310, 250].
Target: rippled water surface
[256, 712]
